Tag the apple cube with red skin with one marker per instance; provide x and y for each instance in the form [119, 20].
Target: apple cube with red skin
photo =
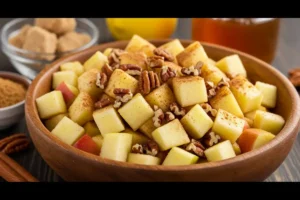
[87, 144]
[68, 91]
[253, 138]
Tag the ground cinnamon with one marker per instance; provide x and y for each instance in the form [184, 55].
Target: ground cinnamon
[11, 92]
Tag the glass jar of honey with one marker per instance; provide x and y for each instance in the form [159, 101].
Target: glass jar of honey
[256, 36]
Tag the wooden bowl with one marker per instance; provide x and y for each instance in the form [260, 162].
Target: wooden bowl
[75, 165]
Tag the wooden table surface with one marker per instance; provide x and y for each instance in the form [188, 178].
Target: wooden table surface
[287, 57]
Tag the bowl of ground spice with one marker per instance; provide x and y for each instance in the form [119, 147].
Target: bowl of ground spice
[13, 89]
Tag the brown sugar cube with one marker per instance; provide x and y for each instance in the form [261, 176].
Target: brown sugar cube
[40, 41]
[56, 25]
[19, 39]
[72, 40]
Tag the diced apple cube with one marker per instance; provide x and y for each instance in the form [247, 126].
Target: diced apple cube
[135, 58]
[116, 146]
[196, 122]
[91, 129]
[95, 61]
[53, 121]
[147, 128]
[87, 144]
[98, 139]
[225, 100]
[251, 115]
[211, 73]
[220, 151]
[107, 51]
[51, 104]
[232, 65]
[189, 90]
[137, 138]
[269, 93]
[178, 156]
[143, 159]
[73, 66]
[236, 148]
[136, 112]
[87, 83]
[170, 135]
[68, 91]
[173, 47]
[191, 55]
[138, 44]
[68, 131]
[254, 138]
[211, 61]
[246, 94]
[161, 97]
[82, 108]
[228, 126]
[69, 77]
[120, 79]
[268, 121]
[108, 120]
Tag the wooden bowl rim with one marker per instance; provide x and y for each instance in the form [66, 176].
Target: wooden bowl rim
[292, 122]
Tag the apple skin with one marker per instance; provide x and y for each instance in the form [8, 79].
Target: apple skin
[68, 93]
[87, 144]
[253, 138]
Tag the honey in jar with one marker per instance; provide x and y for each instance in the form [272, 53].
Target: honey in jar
[256, 36]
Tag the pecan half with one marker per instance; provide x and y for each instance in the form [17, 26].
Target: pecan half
[158, 117]
[193, 70]
[169, 116]
[223, 82]
[14, 144]
[211, 139]
[123, 95]
[150, 148]
[103, 103]
[294, 77]
[210, 88]
[131, 69]
[167, 73]
[164, 53]
[106, 69]
[177, 110]
[155, 61]
[148, 81]
[137, 148]
[101, 80]
[209, 110]
[195, 147]
[114, 58]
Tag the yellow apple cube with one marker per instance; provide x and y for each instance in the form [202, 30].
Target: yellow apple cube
[51, 104]
[68, 131]
[81, 110]
[211, 73]
[162, 97]
[53, 121]
[236, 148]
[189, 90]
[251, 114]
[196, 122]
[178, 156]
[116, 146]
[91, 129]
[268, 121]
[247, 95]
[134, 58]
[107, 51]
[73, 66]
[69, 77]
[147, 128]
[232, 65]
[173, 47]
[143, 159]
[136, 112]
[138, 44]
[87, 83]
[98, 139]
[191, 55]
[97, 61]
[220, 151]
[108, 120]
[228, 126]
[269, 93]
[137, 138]
[225, 100]
[170, 135]
[120, 79]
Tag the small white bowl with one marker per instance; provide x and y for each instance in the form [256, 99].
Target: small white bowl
[13, 114]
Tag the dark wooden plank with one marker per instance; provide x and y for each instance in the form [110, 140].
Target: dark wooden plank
[287, 57]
